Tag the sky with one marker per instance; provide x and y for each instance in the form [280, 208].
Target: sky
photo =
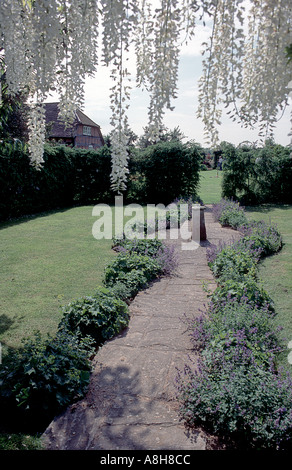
[97, 102]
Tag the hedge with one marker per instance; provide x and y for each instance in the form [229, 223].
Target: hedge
[68, 177]
[257, 175]
[72, 176]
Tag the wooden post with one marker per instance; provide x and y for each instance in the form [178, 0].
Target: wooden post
[198, 223]
[203, 234]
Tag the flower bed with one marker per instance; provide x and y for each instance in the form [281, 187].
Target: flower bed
[236, 390]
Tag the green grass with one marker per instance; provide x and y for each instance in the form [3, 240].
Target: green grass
[275, 271]
[210, 186]
[46, 262]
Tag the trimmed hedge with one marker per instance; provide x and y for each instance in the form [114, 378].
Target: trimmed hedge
[72, 176]
[68, 177]
[169, 170]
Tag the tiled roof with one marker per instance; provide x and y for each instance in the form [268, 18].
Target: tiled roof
[83, 119]
[58, 128]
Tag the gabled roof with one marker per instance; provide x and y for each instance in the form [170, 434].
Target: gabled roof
[58, 127]
[83, 119]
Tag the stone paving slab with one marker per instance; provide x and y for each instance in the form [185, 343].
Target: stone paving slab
[131, 402]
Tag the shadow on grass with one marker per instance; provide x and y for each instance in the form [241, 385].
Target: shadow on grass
[266, 208]
[28, 217]
[9, 323]
[6, 323]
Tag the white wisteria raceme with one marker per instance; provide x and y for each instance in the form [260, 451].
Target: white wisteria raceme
[78, 53]
[37, 130]
[119, 20]
[48, 45]
[52, 45]
[13, 40]
[158, 41]
[246, 69]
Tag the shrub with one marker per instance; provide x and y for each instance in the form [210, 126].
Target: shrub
[46, 375]
[231, 218]
[229, 213]
[264, 236]
[257, 175]
[144, 246]
[129, 283]
[237, 325]
[246, 290]
[170, 169]
[167, 259]
[238, 168]
[99, 317]
[165, 255]
[125, 263]
[244, 401]
[233, 263]
[123, 291]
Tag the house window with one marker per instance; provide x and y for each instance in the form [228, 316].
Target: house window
[86, 130]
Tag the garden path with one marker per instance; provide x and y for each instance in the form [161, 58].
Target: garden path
[131, 403]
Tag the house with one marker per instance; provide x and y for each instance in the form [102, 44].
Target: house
[83, 133]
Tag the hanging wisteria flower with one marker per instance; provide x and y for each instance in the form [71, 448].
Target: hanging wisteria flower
[52, 45]
[119, 20]
[37, 129]
[246, 68]
[48, 45]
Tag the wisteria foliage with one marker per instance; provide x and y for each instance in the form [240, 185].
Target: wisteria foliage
[55, 44]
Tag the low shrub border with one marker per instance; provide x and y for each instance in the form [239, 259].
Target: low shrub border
[46, 375]
[236, 389]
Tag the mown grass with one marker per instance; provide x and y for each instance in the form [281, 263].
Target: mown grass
[275, 271]
[210, 186]
[46, 262]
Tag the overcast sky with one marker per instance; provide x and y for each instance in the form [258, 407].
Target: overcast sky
[97, 103]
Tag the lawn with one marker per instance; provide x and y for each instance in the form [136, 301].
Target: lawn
[46, 262]
[210, 186]
[275, 272]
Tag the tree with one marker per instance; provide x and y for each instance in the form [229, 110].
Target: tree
[163, 135]
[53, 45]
[12, 111]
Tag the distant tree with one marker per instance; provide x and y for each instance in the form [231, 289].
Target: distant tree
[130, 135]
[12, 111]
[163, 135]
